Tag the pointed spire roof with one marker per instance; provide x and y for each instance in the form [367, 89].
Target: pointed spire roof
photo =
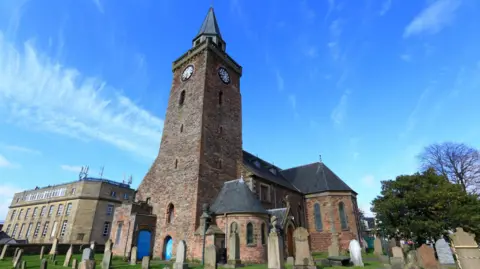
[209, 25]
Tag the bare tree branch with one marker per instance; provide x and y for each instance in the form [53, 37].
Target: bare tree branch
[457, 162]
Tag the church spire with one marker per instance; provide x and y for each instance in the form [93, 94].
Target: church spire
[210, 31]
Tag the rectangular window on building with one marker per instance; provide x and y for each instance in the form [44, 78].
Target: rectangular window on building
[106, 228]
[21, 231]
[29, 230]
[35, 212]
[73, 191]
[14, 212]
[109, 210]
[26, 213]
[119, 232]
[264, 193]
[69, 209]
[37, 229]
[54, 229]
[20, 214]
[113, 194]
[44, 210]
[125, 196]
[60, 210]
[8, 228]
[14, 230]
[64, 228]
[50, 211]
[80, 236]
[45, 229]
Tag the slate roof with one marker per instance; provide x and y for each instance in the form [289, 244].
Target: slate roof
[209, 25]
[311, 178]
[236, 197]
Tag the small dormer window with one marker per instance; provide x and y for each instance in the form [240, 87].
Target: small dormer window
[257, 164]
[273, 171]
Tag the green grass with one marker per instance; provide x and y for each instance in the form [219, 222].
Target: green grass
[33, 261]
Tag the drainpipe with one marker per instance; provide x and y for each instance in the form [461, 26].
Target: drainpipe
[226, 229]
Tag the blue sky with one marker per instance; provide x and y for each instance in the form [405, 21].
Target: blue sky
[366, 84]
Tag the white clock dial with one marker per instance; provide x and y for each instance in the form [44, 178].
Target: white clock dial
[187, 73]
[224, 76]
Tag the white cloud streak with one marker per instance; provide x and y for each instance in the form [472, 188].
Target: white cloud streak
[22, 149]
[39, 93]
[6, 196]
[4, 163]
[386, 5]
[99, 5]
[71, 168]
[280, 81]
[340, 111]
[433, 18]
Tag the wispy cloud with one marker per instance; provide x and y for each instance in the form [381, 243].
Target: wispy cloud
[433, 18]
[280, 81]
[6, 196]
[335, 33]
[311, 52]
[21, 149]
[39, 93]
[368, 180]
[413, 116]
[4, 163]
[406, 57]
[340, 111]
[292, 99]
[71, 168]
[99, 5]
[331, 6]
[386, 5]
[307, 12]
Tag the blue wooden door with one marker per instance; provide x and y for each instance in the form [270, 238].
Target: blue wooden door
[168, 248]
[143, 244]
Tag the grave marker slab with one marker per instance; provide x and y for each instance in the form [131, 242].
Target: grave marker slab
[444, 253]
[303, 257]
[355, 253]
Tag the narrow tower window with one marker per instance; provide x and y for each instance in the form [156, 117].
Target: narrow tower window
[176, 163]
[220, 97]
[181, 128]
[343, 216]
[170, 213]
[249, 233]
[182, 98]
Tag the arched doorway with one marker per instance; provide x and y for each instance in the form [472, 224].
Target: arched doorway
[143, 244]
[290, 243]
[167, 247]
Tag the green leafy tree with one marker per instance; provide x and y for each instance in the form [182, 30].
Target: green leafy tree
[424, 206]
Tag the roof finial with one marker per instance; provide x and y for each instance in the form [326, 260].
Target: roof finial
[320, 158]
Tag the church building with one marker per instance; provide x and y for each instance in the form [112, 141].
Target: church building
[203, 183]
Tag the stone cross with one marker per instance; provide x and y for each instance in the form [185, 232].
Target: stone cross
[377, 246]
[466, 249]
[42, 251]
[17, 260]
[53, 250]
[4, 250]
[133, 256]
[275, 250]
[426, 257]
[303, 257]
[68, 256]
[210, 257]
[74, 264]
[107, 259]
[234, 247]
[181, 254]
[43, 264]
[146, 262]
[355, 253]
[444, 253]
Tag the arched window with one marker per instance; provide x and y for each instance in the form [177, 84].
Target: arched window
[318, 217]
[182, 98]
[264, 233]
[249, 233]
[343, 217]
[220, 97]
[170, 213]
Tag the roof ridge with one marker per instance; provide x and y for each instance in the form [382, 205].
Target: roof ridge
[308, 164]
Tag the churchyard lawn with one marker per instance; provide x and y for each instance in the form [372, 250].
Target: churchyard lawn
[33, 262]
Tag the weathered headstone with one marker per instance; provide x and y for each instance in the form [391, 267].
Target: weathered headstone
[210, 257]
[180, 256]
[24, 265]
[68, 256]
[53, 250]
[87, 254]
[43, 264]
[290, 260]
[466, 249]
[146, 262]
[391, 244]
[355, 253]
[18, 258]
[42, 251]
[377, 246]
[107, 259]
[426, 257]
[234, 246]
[411, 260]
[334, 248]
[53, 257]
[108, 245]
[444, 253]
[16, 252]
[397, 252]
[74, 264]
[133, 256]
[275, 247]
[55, 262]
[86, 264]
[4, 250]
[303, 257]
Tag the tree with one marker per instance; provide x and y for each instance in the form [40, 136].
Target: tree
[424, 206]
[456, 161]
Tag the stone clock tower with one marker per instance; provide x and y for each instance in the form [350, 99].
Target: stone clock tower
[201, 144]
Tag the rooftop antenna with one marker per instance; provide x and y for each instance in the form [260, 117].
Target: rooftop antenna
[320, 158]
[101, 171]
[83, 172]
[123, 181]
[130, 180]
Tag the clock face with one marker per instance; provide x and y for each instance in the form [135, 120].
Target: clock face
[187, 73]
[224, 76]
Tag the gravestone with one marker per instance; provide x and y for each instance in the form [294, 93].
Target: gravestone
[355, 253]
[146, 262]
[24, 265]
[108, 245]
[42, 251]
[426, 257]
[86, 264]
[107, 259]
[68, 256]
[334, 248]
[4, 250]
[275, 247]
[87, 254]
[18, 259]
[377, 246]
[181, 254]
[16, 252]
[411, 260]
[133, 256]
[43, 264]
[53, 257]
[364, 245]
[467, 252]
[210, 257]
[53, 250]
[74, 264]
[397, 252]
[303, 257]
[234, 246]
[391, 244]
[444, 253]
